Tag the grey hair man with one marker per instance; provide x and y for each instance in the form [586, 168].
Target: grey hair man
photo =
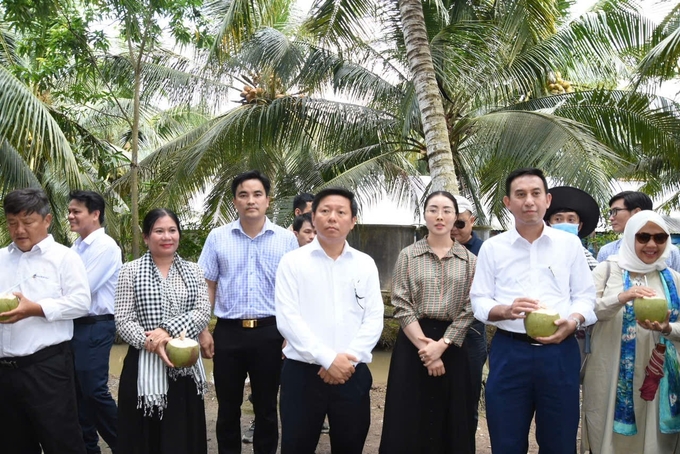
[38, 409]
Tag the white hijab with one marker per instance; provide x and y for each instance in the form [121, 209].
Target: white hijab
[628, 259]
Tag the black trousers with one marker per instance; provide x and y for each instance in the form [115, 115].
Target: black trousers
[257, 353]
[306, 400]
[38, 408]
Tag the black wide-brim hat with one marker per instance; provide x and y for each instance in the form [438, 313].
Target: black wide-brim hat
[574, 199]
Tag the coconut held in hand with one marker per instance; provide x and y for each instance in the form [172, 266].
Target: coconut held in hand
[651, 308]
[182, 351]
[541, 323]
[8, 302]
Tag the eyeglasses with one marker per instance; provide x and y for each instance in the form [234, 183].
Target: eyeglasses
[445, 211]
[643, 237]
[615, 211]
[459, 224]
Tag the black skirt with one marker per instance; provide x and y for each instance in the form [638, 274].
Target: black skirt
[182, 429]
[424, 414]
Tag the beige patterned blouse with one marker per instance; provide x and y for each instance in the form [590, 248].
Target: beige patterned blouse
[425, 286]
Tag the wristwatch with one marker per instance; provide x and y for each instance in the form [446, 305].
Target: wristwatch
[447, 341]
[578, 322]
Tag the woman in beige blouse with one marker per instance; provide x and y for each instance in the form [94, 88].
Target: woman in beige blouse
[616, 420]
[160, 295]
[428, 407]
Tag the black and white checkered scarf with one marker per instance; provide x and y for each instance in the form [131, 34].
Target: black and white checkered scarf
[154, 306]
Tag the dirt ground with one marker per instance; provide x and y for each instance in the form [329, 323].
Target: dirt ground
[372, 441]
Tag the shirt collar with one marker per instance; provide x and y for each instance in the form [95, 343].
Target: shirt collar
[422, 247]
[267, 227]
[88, 240]
[42, 246]
[316, 247]
[548, 233]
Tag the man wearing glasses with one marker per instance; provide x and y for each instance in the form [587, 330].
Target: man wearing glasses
[621, 207]
[476, 335]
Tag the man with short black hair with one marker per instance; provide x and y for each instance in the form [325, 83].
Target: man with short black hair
[240, 261]
[621, 207]
[94, 334]
[303, 229]
[330, 310]
[475, 339]
[518, 271]
[38, 408]
[302, 203]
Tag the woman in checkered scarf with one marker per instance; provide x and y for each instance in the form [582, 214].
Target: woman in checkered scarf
[159, 296]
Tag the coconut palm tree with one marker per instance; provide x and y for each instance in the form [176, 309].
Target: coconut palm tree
[501, 69]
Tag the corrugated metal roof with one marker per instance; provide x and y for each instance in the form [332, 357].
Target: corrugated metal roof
[673, 224]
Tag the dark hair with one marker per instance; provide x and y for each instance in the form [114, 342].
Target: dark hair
[300, 220]
[633, 200]
[28, 201]
[301, 200]
[530, 171]
[349, 195]
[154, 215]
[446, 194]
[250, 175]
[93, 201]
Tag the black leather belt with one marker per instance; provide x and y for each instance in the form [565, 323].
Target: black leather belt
[92, 319]
[249, 323]
[17, 362]
[519, 336]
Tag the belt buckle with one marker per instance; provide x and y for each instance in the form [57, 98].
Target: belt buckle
[249, 323]
[8, 364]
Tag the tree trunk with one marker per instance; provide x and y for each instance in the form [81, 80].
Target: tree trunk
[134, 164]
[432, 116]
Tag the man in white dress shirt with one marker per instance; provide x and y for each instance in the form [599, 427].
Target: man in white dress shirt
[37, 386]
[518, 271]
[330, 311]
[94, 334]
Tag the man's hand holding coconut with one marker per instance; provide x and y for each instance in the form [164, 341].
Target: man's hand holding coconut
[546, 326]
[23, 308]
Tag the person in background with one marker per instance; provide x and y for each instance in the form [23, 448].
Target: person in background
[517, 271]
[616, 418]
[475, 339]
[621, 207]
[429, 406]
[160, 296]
[330, 310]
[94, 334]
[240, 261]
[303, 229]
[302, 203]
[573, 211]
[38, 406]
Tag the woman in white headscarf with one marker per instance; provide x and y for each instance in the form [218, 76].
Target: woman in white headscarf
[615, 418]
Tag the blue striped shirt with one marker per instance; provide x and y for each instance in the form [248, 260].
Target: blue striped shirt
[245, 268]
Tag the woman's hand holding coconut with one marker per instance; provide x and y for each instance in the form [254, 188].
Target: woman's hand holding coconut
[156, 341]
[663, 327]
[638, 291]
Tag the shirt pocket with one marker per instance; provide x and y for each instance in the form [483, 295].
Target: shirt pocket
[357, 294]
[556, 277]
